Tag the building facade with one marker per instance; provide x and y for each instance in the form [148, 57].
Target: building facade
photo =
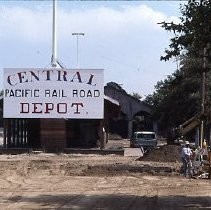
[134, 115]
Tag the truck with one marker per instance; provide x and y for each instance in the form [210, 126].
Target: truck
[145, 139]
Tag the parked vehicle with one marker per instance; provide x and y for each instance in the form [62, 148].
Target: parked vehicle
[145, 139]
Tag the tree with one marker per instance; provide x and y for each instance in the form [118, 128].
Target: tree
[136, 95]
[177, 98]
[192, 33]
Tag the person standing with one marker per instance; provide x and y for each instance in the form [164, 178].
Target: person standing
[185, 155]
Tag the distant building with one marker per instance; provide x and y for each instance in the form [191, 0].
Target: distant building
[134, 114]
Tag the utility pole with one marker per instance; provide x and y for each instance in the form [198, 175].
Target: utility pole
[77, 48]
[203, 97]
[54, 60]
[54, 36]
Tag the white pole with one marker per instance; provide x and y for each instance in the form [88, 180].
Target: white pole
[54, 35]
[77, 47]
[77, 65]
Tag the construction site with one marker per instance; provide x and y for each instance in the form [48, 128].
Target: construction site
[94, 181]
[70, 140]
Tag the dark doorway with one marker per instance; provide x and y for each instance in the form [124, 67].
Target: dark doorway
[119, 125]
[142, 121]
[34, 133]
[82, 133]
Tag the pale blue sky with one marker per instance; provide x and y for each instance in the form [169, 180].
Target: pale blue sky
[122, 37]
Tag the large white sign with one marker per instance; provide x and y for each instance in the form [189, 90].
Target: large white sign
[53, 93]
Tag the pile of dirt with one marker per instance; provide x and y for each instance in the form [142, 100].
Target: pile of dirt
[167, 153]
[83, 165]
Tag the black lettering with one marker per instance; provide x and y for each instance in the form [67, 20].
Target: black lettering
[9, 80]
[47, 93]
[35, 108]
[77, 107]
[75, 93]
[60, 75]
[77, 76]
[82, 93]
[96, 93]
[63, 95]
[89, 93]
[54, 94]
[27, 91]
[90, 80]
[48, 74]
[59, 108]
[36, 93]
[12, 94]
[6, 92]
[35, 76]
[16, 93]
[48, 107]
[21, 76]
[24, 108]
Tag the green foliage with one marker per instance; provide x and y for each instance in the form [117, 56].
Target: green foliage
[175, 99]
[193, 31]
[136, 95]
[178, 98]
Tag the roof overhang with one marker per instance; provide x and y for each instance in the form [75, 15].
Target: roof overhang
[113, 101]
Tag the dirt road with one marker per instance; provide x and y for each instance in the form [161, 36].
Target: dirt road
[49, 181]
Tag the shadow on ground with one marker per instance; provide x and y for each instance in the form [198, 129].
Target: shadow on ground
[109, 202]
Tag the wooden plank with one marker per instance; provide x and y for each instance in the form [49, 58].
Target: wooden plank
[5, 132]
[53, 134]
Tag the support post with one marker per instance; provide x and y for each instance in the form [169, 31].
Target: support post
[203, 97]
[102, 134]
[77, 47]
[209, 159]
[54, 36]
[5, 134]
[130, 128]
[209, 143]
[197, 137]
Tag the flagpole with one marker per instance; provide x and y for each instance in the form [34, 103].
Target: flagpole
[54, 36]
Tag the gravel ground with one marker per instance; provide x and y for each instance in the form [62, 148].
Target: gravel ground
[81, 181]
